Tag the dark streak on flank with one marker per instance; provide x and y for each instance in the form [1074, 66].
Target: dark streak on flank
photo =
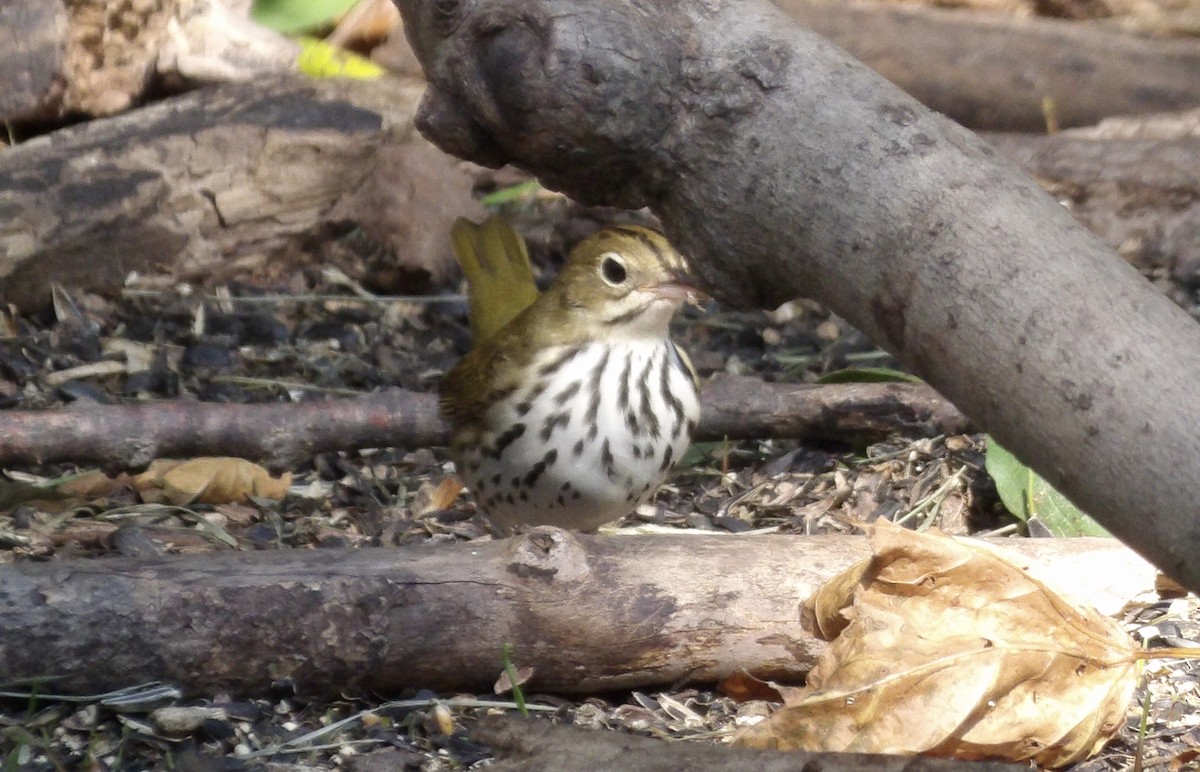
[623, 385]
[540, 467]
[606, 458]
[668, 395]
[646, 412]
[595, 379]
[553, 422]
[508, 438]
[566, 394]
[668, 457]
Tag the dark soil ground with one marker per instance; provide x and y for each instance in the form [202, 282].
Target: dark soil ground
[317, 334]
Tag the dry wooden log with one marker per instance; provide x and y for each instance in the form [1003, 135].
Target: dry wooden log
[195, 183]
[31, 56]
[991, 71]
[285, 435]
[587, 613]
[240, 170]
[781, 166]
[523, 745]
[1140, 194]
[95, 57]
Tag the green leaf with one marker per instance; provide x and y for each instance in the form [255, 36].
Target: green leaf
[868, 375]
[291, 17]
[319, 59]
[700, 454]
[518, 192]
[1027, 496]
[511, 672]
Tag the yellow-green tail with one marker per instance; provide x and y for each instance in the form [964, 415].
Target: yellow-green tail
[500, 281]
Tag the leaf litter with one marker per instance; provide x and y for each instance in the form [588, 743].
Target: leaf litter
[949, 648]
[314, 336]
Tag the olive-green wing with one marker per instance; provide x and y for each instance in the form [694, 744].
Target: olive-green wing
[500, 281]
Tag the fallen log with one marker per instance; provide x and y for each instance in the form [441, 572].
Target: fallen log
[31, 56]
[586, 613]
[783, 167]
[1002, 73]
[199, 185]
[285, 435]
[1140, 193]
[191, 184]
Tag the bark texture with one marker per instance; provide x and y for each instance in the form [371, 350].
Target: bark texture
[997, 72]
[31, 58]
[219, 174]
[587, 613]
[783, 167]
[284, 435]
[1138, 192]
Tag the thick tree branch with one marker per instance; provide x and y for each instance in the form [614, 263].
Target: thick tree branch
[125, 436]
[784, 167]
[587, 613]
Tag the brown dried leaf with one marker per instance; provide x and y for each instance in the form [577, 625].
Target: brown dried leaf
[445, 493]
[952, 650]
[821, 615]
[210, 480]
[93, 484]
[504, 684]
[740, 686]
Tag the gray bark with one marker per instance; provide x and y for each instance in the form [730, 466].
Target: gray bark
[31, 58]
[129, 436]
[587, 613]
[783, 167]
[1139, 193]
[243, 170]
[993, 71]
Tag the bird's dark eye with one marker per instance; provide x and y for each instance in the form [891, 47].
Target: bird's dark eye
[613, 269]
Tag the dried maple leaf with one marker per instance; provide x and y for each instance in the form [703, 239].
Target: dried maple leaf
[948, 648]
[210, 480]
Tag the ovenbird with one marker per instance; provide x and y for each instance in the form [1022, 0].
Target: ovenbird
[574, 404]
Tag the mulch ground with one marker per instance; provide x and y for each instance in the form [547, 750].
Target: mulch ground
[317, 333]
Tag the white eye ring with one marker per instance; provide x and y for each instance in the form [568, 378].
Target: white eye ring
[612, 269]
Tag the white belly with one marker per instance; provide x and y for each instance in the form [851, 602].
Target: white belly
[591, 445]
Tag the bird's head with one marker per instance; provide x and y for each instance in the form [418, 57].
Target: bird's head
[625, 282]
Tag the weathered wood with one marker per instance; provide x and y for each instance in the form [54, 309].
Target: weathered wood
[587, 613]
[131, 436]
[194, 181]
[781, 166]
[1140, 194]
[992, 71]
[522, 745]
[31, 57]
